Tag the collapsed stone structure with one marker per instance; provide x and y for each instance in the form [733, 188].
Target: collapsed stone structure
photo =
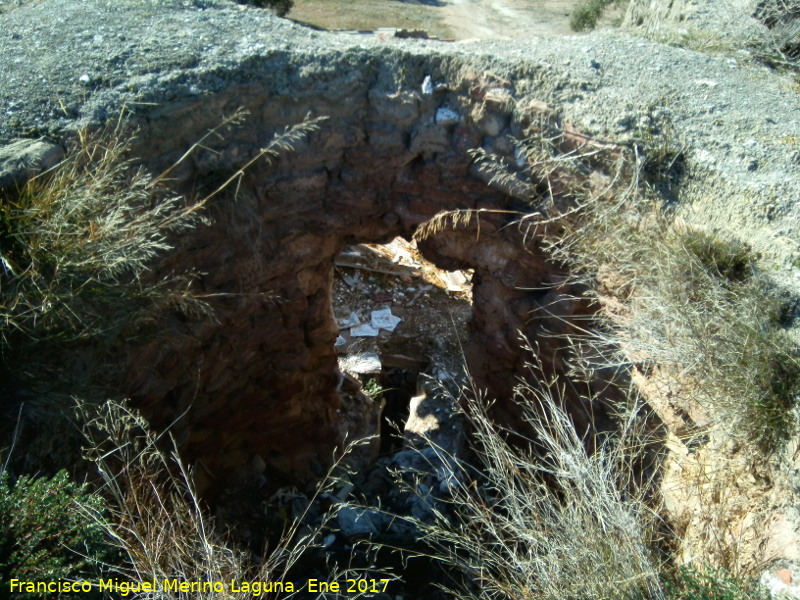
[263, 380]
[260, 382]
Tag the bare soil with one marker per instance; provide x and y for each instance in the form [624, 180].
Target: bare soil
[445, 19]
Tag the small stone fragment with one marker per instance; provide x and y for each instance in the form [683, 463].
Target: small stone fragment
[358, 522]
[427, 85]
[447, 116]
[367, 363]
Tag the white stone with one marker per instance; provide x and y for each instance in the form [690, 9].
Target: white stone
[447, 116]
[779, 589]
[367, 363]
[427, 85]
[520, 157]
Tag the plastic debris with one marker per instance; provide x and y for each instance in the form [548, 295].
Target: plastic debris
[350, 321]
[384, 319]
[364, 330]
[340, 341]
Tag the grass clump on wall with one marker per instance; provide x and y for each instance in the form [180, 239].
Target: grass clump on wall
[696, 304]
[690, 299]
[76, 242]
[77, 247]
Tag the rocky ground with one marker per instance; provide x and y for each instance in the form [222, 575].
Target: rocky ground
[735, 118]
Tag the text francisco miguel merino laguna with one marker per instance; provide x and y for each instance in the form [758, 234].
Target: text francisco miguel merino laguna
[255, 588]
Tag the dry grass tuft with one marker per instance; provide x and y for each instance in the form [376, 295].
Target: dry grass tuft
[694, 301]
[79, 245]
[549, 520]
[156, 519]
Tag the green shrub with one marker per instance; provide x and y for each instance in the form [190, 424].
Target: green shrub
[769, 417]
[588, 13]
[690, 583]
[47, 533]
[726, 259]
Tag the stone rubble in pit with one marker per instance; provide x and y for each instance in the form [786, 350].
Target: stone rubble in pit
[398, 304]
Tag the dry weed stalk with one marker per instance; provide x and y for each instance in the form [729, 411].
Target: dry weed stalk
[691, 301]
[549, 521]
[157, 520]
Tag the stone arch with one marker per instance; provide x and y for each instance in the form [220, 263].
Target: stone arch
[260, 384]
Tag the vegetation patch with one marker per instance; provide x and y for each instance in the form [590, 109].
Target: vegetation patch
[556, 522]
[586, 15]
[696, 303]
[692, 583]
[49, 531]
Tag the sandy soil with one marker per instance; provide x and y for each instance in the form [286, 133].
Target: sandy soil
[447, 19]
[519, 19]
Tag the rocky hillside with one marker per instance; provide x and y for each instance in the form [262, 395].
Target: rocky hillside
[258, 385]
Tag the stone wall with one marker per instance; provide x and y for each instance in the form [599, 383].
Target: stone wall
[260, 384]
[257, 384]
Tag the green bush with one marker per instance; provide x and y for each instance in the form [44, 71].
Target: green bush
[690, 583]
[588, 13]
[724, 258]
[47, 533]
